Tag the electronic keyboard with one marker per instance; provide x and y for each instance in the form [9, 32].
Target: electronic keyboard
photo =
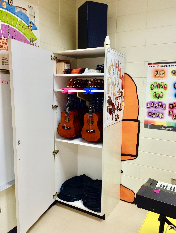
[158, 197]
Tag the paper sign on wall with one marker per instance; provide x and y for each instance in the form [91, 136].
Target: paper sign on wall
[114, 102]
[160, 109]
[19, 21]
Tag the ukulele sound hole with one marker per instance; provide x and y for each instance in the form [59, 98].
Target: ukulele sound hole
[65, 127]
[90, 131]
[67, 119]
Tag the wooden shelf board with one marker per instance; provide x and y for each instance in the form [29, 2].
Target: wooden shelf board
[79, 141]
[79, 204]
[80, 53]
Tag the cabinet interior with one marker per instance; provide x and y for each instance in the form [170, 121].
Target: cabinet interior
[76, 156]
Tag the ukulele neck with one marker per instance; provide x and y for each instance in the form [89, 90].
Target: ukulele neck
[68, 105]
[91, 106]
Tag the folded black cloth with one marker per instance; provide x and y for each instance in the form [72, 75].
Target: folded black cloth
[93, 204]
[67, 71]
[82, 70]
[71, 190]
[82, 188]
[92, 195]
[100, 67]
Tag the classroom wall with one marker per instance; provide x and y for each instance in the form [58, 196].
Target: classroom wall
[57, 19]
[145, 31]
[57, 25]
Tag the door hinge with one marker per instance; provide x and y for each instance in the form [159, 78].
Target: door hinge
[53, 58]
[55, 195]
[54, 106]
[55, 152]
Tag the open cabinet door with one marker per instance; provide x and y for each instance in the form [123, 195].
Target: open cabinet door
[31, 81]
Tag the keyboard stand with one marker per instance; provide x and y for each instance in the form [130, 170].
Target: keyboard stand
[162, 218]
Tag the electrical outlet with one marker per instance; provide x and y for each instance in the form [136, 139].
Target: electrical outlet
[173, 181]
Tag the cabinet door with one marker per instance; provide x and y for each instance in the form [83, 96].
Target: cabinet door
[31, 81]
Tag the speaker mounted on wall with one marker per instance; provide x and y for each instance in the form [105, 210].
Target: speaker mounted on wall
[92, 25]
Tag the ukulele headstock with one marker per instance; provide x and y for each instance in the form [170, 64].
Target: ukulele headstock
[91, 83]
[70, 83]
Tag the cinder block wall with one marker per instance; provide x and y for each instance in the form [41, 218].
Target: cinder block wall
[57, 19]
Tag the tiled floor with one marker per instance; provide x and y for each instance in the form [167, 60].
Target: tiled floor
[125, 218]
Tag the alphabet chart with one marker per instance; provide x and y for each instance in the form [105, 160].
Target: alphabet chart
[160, 109]
[19, 21]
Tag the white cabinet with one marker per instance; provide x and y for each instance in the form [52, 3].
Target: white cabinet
[38, 173]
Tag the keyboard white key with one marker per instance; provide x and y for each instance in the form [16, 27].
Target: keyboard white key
[158, 184]
[174, 188]
[163, 185]
[167, 186]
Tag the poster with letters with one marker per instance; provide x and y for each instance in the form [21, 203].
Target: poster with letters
[19, 20]
[114, 86]
[160, 109]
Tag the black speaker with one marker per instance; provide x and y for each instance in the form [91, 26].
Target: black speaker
[92, 25]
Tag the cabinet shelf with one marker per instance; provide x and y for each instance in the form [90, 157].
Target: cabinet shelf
[80, 75]
[79, 141]
[83, 53]
[79, 205]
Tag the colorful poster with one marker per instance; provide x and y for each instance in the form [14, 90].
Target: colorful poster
[160, 109]
[114, 86]
[19, 21]
[3, 44]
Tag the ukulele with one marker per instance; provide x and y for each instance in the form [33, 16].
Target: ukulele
[70, 83]
[91, 83]
[67, 127]
[76, 83]
[76, 110]
[99, 83]
[80, 108]
[99, 112]
[90, 131]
